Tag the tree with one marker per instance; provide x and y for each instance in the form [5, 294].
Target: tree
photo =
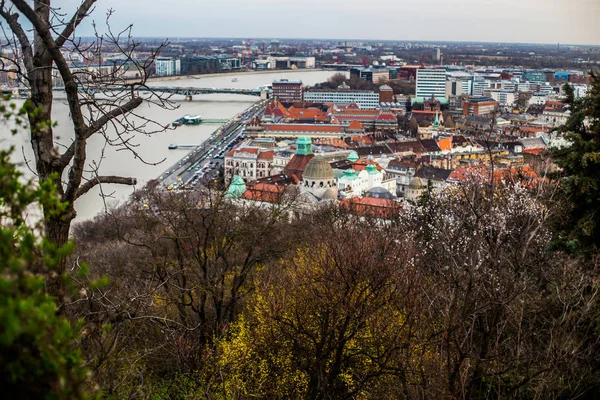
[336, 80]
[38, 359]
[182, 267]
[580, 164]
[495, 298]
[43, 60]
[332, 323]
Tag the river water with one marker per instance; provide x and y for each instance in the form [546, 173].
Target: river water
[153, 149]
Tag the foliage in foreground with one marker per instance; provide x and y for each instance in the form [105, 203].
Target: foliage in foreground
[580, 164]
[37, 356]
[458, 297]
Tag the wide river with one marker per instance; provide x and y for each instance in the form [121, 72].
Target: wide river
[153, 149]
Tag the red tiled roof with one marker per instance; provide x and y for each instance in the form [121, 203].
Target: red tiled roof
[303, 128]
[355, 126]
[360, 165]
[266, 155]
[375, 207]
[348, 111]
[264, 192]
[445, 144]
[535, 151]
[387, 117]
[297, 164]
[331, 142]
[250, 150]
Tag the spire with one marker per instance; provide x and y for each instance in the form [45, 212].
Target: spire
[436, 122]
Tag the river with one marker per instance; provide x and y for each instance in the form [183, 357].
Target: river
[153, 149]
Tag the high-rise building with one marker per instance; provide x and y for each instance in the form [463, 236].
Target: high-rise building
[166, 66]
[286, 90]
[431, 82]
[479, 85]
[437, 55]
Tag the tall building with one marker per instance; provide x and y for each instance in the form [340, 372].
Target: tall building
[479, 85]
[437, 55]
[286, 90]
[431, 82]
[366, 99]
[166, 66]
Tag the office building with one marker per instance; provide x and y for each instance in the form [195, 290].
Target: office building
[480, 106]
[166, 66]
[366, 99]
[287, 90]
[431, 82]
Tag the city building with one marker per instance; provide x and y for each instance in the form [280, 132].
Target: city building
[166, 66]
[366, 99]
[318, 179]
[431, 82]
[249, 163]
[287, 90]
[209, 64]
[386, 94]
[555, 113]
[478, 86]
[375, 74]
[479, 106]
[504, 98]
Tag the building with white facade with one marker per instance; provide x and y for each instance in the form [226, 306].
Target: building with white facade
[366, 99]
[504, 98]
[580, 90]
[431, 82]
[479, 85]
[166, 66]
[249, 163]
[356, 183]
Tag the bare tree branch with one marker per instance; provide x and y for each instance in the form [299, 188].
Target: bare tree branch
[15, 26]
[66, 157]
[84, 188]
[82, 12]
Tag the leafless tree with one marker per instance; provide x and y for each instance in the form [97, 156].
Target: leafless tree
[102, 100]
[181, 266]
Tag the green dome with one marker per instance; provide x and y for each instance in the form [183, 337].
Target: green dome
[371, 169]
[353, 156]
[304, 146]
[350, 174]
[318, 168]
[236, 189]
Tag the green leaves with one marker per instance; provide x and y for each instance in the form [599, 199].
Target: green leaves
[37, 356]
[580, 182]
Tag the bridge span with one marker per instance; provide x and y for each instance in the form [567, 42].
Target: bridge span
[188, 92]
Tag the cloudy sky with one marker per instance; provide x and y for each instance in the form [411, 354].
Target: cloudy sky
[539, 21]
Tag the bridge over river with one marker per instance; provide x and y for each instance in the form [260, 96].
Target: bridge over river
[188, 92]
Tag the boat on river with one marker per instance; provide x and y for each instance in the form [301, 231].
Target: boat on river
[187, 120]
[192, 119]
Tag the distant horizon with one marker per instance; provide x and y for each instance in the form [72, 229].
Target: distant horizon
[359, 40]
[487, 21]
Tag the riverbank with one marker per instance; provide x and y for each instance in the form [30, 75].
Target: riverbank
[225, 74]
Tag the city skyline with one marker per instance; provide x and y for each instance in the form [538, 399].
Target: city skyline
[513, 21]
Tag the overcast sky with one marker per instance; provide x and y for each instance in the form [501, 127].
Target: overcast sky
[535, 21]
